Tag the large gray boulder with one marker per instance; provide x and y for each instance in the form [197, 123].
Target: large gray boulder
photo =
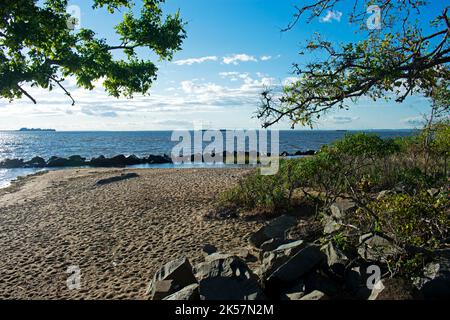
[338, 211]
[297, 266]
[171, 278]
[275, 229]
[189, 293]
[227, 277]
[373, 247]
[435, 281]
[274, 259]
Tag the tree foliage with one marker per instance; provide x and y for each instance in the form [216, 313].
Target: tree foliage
[398, 60]
[38, 47]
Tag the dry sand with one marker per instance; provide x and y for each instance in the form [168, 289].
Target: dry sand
[118, 234]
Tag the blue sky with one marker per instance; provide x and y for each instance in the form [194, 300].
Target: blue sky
[233, 50]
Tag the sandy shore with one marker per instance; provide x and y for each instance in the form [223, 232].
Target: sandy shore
[118, 234]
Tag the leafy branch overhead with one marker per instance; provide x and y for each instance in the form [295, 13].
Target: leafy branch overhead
[395, 61]
[38, 47]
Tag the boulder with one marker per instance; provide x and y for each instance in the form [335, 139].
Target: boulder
[57, 162]
[163, 289]
[373, 247]
[209, 249]
[297, 266]
[336, 259]
[116, 161]
[305, 153]
[315, 295]
[340, 208]
[155, 159]
[77, 161]
[274, 259]
[133, 160]
[12, 163]
[227, 277]
[435, 281]
[330, 225]
[276, 228]
[189, 293]
[319, 281]
[294, 293]
[356, 282]
[177, 274]
[36, 162]
[124, 176]
[272, 244]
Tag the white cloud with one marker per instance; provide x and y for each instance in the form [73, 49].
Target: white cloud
[236, 58]
[265, 58]
[417, 121]
[191, 61]
[342, 119]
[332, 15]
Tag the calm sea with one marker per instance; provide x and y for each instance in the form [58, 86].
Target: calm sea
[26, 145]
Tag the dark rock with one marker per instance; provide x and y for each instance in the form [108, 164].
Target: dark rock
[319, 281]
[374, 247]
[178, 271]
[209, 249]
[295, 293]
[277, 228]
[125, 176]
[297, 266]
[356, 282]
[36, 162]
[226, 277]
[156, 159]
[57, 162]
[77, 161]
[336, 259]
[12, 163]
[101, 161]
[189, 293]
[133, 160]
[305, 153]
[435, 282]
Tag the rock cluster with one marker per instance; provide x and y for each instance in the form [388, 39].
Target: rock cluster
[292, 269]
[119, 160]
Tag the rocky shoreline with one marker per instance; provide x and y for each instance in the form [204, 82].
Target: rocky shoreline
[117, 161]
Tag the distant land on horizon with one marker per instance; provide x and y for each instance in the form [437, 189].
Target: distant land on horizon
[36, 129]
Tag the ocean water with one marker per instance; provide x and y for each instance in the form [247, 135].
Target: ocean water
[26, 145]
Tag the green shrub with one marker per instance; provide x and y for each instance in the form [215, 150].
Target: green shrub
[419, 220]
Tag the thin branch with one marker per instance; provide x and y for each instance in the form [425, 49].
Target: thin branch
[26, 93]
